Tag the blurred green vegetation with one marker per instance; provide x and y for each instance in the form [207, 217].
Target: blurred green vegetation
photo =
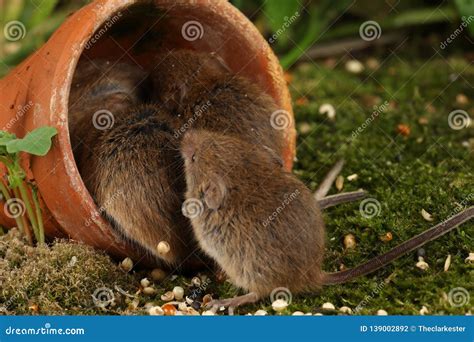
[291, 26]
[320, 21]
[27, 24]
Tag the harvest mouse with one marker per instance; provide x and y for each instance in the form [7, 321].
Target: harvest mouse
[261, 224]
[130, 161]
[202, 92]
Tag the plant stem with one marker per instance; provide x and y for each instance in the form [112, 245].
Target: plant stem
[7, 196]
[39, 215]
[24, 223]
[29, 210]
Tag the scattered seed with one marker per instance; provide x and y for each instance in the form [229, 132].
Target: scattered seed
[182, 307]
[354, 66]
[189, 301]
[382, 312]
[373, 63]
[163, 247]
[191, 312]
[298, 313]
[178, 292]
[424, 310]
[352, 177]
[470, 258]
[145, 282]
[156, 311]
[318, 314]
[426, 215]
[126, 264]
[462, 99]
[302, 101]
[260, 313]
[423, 121]
[447, 263]
[149, 290]
[168, 296]
[196, 281]
[328, 306]
[339, 182]
[206, 299]
[304, 128]
[308, 314]
[329, 110]
[208, 313]
[345, 309]
[387, 237]
[279, 305]
[158, 274]
[133, 305]
[169, 309]
[403, 130]
[34, 307]
[349, 241]
[422, 264]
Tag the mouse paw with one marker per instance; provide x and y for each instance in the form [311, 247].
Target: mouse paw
[233, 302]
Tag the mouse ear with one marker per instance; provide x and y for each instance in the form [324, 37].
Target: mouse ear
[275, 156]
[214, 193]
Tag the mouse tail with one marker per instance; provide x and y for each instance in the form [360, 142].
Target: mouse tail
[405, 247]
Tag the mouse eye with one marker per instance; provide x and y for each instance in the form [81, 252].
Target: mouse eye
[194, 157]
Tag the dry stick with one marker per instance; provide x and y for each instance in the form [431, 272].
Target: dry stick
[330, 201]
[326, 184]
[347, 45]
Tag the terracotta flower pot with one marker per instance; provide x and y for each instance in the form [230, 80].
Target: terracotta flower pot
[36, 92]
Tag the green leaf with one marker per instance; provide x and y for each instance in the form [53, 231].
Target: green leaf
[5, 137]
[466, 9]
[37, 142]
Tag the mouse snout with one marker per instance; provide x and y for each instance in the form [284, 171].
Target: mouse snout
[188, 151]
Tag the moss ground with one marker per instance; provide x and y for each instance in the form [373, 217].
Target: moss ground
[430, 168]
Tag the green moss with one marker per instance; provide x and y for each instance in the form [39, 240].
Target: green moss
[59, 279]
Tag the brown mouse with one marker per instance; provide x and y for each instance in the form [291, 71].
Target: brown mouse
[261, 224]
[202, 92]
[131, 164]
